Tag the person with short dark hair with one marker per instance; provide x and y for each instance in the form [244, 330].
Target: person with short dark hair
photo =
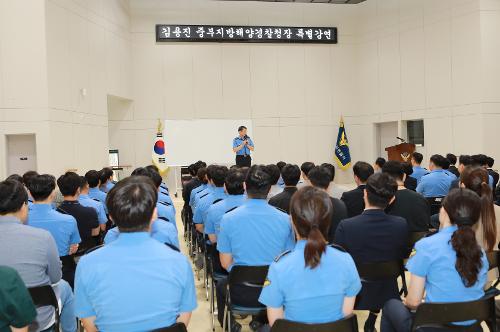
[202, 178]
[379, 163]
[163, 290]
[463, 161]
[408, 204]
[192, 184]
[409, 182]
[27, 176]
[438, 182]
[15, 177]
[106, 177]
[275, 174]
[375, 236]
[418, 170]
[33, 253]
[291, 176]
[482, 160]
[63, 227]
[449, 266]
[333, 190]
[320, 177]
[209, 188]
[243, 146]
[94, 180]
[253, 234]
[295, 286]
[494, 174]
[353, 199]
[452, 168]
[280, 165]
[305, 168]
[85, 200]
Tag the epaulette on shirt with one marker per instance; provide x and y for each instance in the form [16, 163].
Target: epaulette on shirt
[336, 246]
[282, 255]
[203, 195]
[163, 218]
[95, 199]
[165, 203]
[231, 210]
[217, 201]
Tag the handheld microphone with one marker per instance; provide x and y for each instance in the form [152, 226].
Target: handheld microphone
[401, 139]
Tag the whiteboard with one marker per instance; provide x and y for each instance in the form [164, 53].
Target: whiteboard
[188, 141]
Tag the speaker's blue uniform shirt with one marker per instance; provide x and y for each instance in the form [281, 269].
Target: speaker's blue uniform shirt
[199, 215]
[435, 184]
[217, 211]
[255, 233]
[162, 231]
[311, 295]
[62, 227]
[237, 141]
[86, 201]
[148, 282]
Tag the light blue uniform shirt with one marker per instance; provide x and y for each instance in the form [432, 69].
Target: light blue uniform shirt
[162, 231]
[237, 141]
[86, 201]
[418, 172]
[255, 233]
[63, 227]
[435, 184]
[107, 187]
[217, 211]
[163, 197]
[311, 295]
[96, 194]
[194, 192]
[435, 261]
[167, 212]
[134, 284]
[199, 215]
[202, 194]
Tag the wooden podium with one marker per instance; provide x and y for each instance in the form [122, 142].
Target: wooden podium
[400, 152]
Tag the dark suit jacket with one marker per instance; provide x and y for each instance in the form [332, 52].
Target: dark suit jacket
[354, 201]
[411, 183]
[371, 237]
[339, 214]
[282, 200]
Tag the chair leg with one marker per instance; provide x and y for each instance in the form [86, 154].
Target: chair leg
[212, 304]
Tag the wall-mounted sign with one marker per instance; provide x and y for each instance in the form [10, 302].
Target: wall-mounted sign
[245, 34]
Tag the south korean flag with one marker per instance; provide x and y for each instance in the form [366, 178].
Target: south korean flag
[159, 151]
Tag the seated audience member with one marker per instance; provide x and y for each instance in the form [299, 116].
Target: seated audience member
[94, 180]
[482, 161]
[408, 204]
[217, 193]
[320, 178]
[295, 286]
[375, 236]
[490, 162]
[86, 217]
[85, 200]
[274, 173]
[253, 234]
[62, 227]
[333, 190]
[418, 171]
[192, 184]
[106, 177]
[233, 185]
[409, 183]
[156, 284]
[379, 163]
[209, 188]
[15, 177]
[449, 266]
[163, 194]
[17, 311]
[291, 176]
[20, 244]
[353, 199]
[487, 231]
[280, 165]
[453, 160]
[202, 177]
[165, 211]
[463, 161]
[27, 176]
[437, 183]
[305, 168]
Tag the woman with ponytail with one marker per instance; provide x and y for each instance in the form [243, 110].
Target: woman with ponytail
[475, 178]
[314, 283]
[449, 266]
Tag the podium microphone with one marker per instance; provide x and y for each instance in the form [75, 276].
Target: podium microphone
[401, 139]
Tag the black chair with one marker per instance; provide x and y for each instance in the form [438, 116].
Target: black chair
[93, 249]
[493, 259]
[413, 238]
[177, 327]
[43, 296]
[216, 273]
[378, 271]
[441, 315]
[247, 277]
[435, 203]
[347, 324]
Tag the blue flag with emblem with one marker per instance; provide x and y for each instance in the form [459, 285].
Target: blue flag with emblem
[342, 154]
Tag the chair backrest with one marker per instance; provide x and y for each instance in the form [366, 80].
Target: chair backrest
[94, 249]
[250, 276]
[414, 237]
[43, 296]
[492, 259]
[177, 327]
[435, 203]
[347, 324]
[380, 270]
[442, 314]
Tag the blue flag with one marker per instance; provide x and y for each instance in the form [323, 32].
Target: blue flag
[342, 154]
